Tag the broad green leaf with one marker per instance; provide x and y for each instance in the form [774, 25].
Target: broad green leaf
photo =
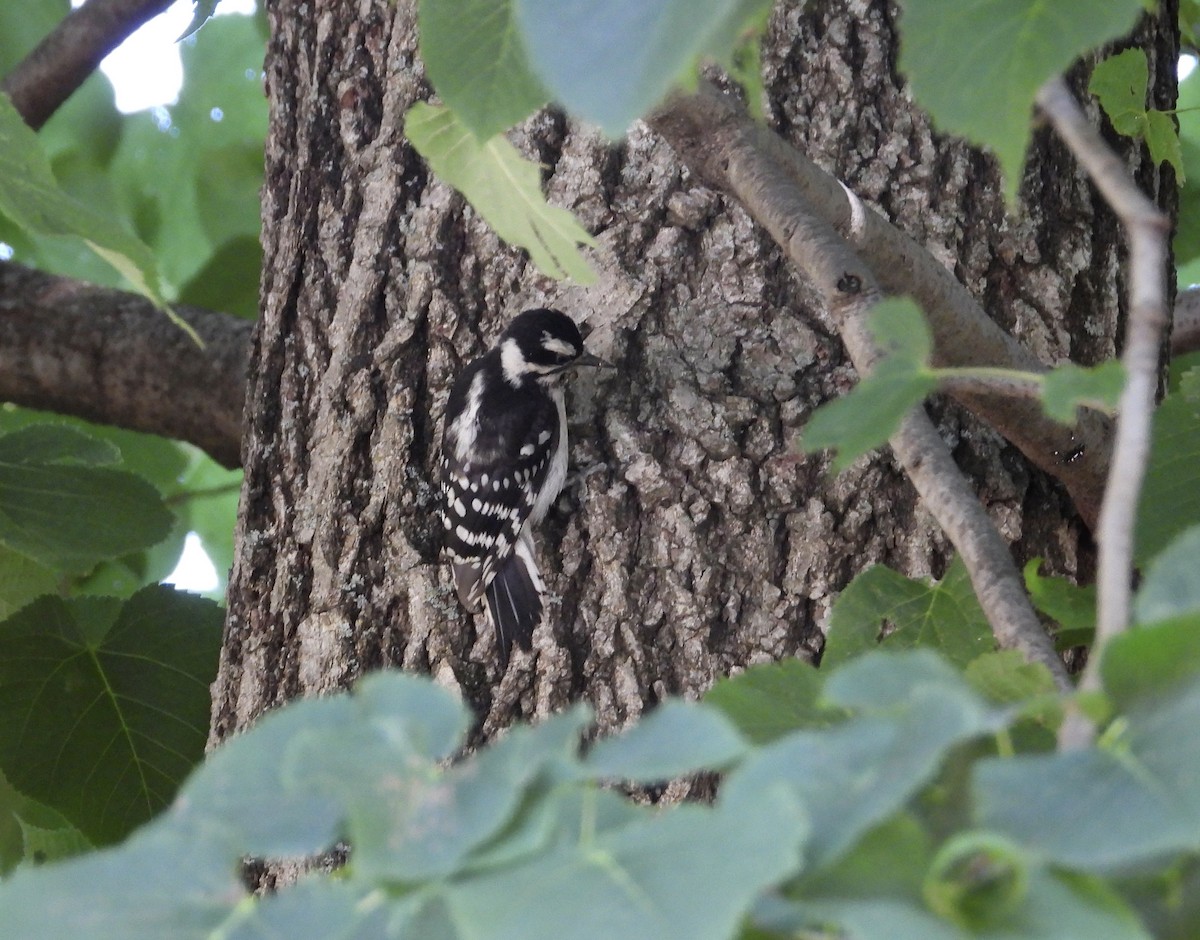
[1003, 51]
[408, 820]
[1170, 500]
[1004, 677]
[611, 63]
[317, 907]
[943, 615]
[1120, 83]
[1068, 386]
[28, 828]
[1127, 803]
[1072, 606]
[890, 859]
[504, 189]
[869, 918]
[45, 844]
[690, 874]
[1151, 659]
[768, 700]
[104, 705]
[64, 512]
[872, 411]
[22, 579]
[855, 775]
[475, 57]
[162, 883]
[1171, 587]
[32, 199]
[675, 739]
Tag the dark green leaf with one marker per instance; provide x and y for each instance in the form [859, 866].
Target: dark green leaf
[104, 706]
[68, 516]
[21, 580]
[503, 188]
[204, 11]
[771, 699]
[229, 280]
[1162, 137]
[1003, 51]
[1068, 386]
[476, 60]
[944, 616]
[675, 739]
[889, 860]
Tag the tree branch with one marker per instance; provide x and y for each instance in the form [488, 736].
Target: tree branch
[62, 61]
[1148, 231]
[1185, 331]
[113, 357]
[702, 124]
[760, 180]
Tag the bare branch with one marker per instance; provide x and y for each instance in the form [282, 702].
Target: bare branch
[62, 61]
[1185, 331]
[702, 126]
[761, 182]
[1148, 231]
[112, 357]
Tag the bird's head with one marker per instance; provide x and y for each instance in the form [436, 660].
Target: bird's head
[542, 345]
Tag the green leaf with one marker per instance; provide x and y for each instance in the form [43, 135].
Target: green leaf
[161, 883]
[943, 615]
[33, 200]
[1097, 809]
[1149, 660]
[476, 60]
[64, 512]
[770, 699]
[1120, 83]
[976, 879]
[890, 859]
[1171, 587]
[690, 874]
[21, 580]
[503, 188]
[872, 411]
[1170, 500]
[1003, 50]
[675, 739]
[1068, 386]
[612, 63]
[418, 822]
[1004, 677]
[43, 844]
[1072, 606]
[104, 705]
[855, 775]
[858, 919]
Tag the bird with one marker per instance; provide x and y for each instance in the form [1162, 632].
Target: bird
[503, 465]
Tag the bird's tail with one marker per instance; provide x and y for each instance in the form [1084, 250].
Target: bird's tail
[514, 599]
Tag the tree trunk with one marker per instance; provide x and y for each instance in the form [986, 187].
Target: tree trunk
[696, 539]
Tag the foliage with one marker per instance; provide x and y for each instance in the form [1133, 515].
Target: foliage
[1120, 83]
[832, 826]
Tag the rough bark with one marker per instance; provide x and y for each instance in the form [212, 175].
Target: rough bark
[111, 356]
[697, 540]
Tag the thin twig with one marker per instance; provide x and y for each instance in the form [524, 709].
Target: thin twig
[62, 61]
[1148, 229]
[767, 191]
[704, 123]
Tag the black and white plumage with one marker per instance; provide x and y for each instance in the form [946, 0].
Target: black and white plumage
[504, 462]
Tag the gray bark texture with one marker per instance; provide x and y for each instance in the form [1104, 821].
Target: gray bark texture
[696, 539]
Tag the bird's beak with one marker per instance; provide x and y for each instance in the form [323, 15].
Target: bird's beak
[587, 359]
